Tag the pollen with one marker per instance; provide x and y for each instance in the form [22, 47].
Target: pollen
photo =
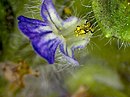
[84, 29]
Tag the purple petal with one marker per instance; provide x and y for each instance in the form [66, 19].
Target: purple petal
[49, 13]
[44, 13]
[43, 40]
[65, 52]
[46, 46]
[68, 48]
[33, 27]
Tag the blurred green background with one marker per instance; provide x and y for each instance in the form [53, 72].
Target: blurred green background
[104, 64]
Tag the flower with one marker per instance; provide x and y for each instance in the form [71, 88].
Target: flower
[53, 32]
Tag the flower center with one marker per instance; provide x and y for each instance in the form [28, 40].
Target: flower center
[84, 29]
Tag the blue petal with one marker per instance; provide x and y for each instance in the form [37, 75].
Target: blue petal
[44, 13]
[33, 27]
[68, 50]
[49, 13]
[68, 47]
[69, 57]
[46, 46]
[43, 40]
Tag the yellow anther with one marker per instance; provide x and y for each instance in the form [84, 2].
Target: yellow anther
[78, 28]
[91, 29]
[82, 32]
[87, 25]
[84, 29]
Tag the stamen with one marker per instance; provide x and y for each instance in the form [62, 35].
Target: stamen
[84, 29]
